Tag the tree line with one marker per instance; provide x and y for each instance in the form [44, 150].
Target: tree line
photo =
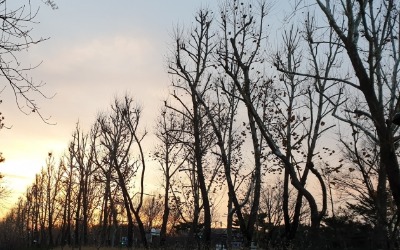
[300, 139]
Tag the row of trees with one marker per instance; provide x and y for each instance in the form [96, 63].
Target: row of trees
[238, 116]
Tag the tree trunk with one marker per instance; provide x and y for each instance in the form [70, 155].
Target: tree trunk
[103, 235]
[257, 181]
[85, 208]
[285, 203]
[129, 216]
[199, 170]
[163, 230]
[77, 217]
[141, 229]
[381, 230]
[229, 220]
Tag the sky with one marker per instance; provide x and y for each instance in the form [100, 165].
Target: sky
[96, 50]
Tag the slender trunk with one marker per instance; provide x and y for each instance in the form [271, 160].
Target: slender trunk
[193, 231]
[141, 229]
[104, 236]
[229, 220]
[200, 174]
[381, 230]
[285, 203]
[257, 181]
[163, 230]
[127, 204]
[50, 231]
[68, 205]
[130, 229]
[129, 210]
[226, 160]
[77, 216]
[207, 212]
[64, 222]
[113, 216]
[297, 210]
[85, 208]
[388, 169]
[129, 216]
[49, 213]
[389, 160]
[29, 228]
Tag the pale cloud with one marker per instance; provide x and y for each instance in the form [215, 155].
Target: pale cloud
[89, 74]
[106, 56]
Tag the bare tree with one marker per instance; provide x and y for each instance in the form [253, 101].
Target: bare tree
[68, 188]
[119, 134]
[170, 155]
[242, 46]
[356, 178]
[17, 37]
[220, 111]
[368, 32]
[53, 176]
[306, 123]
[82, 151]
[189, 64]
[106, 178]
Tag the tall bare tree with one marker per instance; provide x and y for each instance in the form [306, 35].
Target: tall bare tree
[68, 187]
[368, 32]
[119, 134]
[106, 178]
[199, 50]
[53, 175]
[170, 155]
[82, 151]
[189, 64]
[306, 123]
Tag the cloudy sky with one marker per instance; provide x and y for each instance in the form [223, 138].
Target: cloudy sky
[97, 50]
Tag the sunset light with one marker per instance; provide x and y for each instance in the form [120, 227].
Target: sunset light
[208, 124]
